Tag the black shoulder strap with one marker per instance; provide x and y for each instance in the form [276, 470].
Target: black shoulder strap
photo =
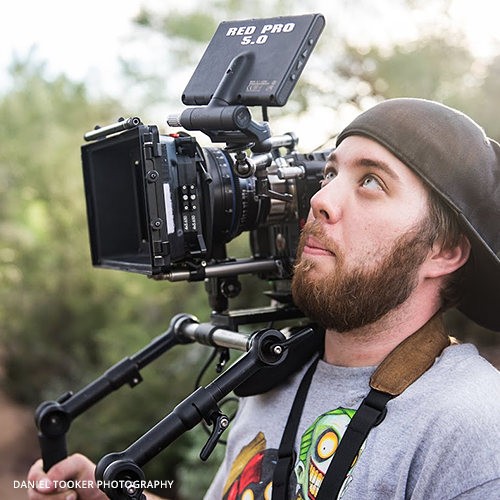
[286, 455]
[371, 412]
[405, 364]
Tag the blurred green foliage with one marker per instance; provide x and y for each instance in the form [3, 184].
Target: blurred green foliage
[63, 323]
[438, 67]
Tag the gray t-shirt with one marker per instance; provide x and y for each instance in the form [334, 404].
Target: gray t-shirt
[440, 439]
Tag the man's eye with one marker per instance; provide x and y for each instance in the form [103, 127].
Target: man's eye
[371, 182]
[329, 176]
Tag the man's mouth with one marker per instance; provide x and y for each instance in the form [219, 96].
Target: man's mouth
[314, 246]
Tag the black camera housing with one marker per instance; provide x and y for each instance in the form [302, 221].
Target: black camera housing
[149, 207]
[163, 206]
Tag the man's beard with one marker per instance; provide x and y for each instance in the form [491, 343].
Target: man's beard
[345, 299]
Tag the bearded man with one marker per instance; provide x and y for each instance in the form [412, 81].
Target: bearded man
[385, 405]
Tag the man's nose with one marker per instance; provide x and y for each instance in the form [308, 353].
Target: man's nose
[326, 204]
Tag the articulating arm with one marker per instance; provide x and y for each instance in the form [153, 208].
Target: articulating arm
[119, 474]
[53, 418]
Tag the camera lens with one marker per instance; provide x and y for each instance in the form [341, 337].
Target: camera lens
[234, 206]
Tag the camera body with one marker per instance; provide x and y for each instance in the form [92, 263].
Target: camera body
[159, 204]
[164, 206]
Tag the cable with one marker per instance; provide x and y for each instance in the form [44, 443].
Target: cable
[265, 114]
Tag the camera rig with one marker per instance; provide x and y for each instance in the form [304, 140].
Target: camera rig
[163, 206]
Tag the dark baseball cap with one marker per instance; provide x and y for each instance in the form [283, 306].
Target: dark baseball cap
[455, 158]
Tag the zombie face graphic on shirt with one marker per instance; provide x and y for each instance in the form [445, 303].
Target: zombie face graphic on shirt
[317, 448]
[251, 473]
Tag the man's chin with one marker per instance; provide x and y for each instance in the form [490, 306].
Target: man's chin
[316, 266]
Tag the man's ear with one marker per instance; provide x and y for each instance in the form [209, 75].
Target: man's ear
[444, 260]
